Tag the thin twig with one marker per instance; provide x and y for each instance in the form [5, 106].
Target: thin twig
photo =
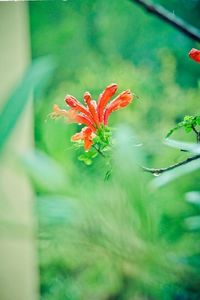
[99, 151]
[170, 18]
[198, 137]
[194, 129]
[197, 134]
[162, 170]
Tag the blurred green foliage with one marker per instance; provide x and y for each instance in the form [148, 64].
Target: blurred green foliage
[34, 79]
[123, 238]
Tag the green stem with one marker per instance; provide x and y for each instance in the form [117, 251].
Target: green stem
[197, 134]
[99, 151]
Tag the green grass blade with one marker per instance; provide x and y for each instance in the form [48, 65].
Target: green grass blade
[39, 71]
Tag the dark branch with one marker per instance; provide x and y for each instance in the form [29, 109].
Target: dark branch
[197, 134]
[162, 170]
[170, 18]
[99, 151]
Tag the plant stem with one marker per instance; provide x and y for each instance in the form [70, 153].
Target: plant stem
[99, 151]
[170, 18]
[197, 134]
[162, 170]
[198, 137]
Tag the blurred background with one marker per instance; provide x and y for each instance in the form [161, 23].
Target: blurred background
[65, 232]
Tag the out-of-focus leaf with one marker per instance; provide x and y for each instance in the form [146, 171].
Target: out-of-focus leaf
[191, 147]
[169, 176]
[34, 78]
[193, 197]
[54, 210]
[193, 223]
[46, 173]
[128, 151]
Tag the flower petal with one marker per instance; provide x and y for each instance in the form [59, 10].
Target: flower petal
[73, 117]
[57, 112]
[92, 107]
[122, 100]
[77, 106]
[86, 136]
[195, 55]
[77, 136]
[87, 144]
[104, 99]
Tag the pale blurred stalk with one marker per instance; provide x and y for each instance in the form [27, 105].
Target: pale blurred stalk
[18, 272]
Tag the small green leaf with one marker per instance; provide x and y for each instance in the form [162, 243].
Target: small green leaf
[87, 157]
[188, 128]
[189, 122]
[84, 159]
[198, 120]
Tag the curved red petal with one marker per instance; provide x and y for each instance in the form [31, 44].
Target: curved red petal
[92, 107]
[85, 135]
[87, 144]
[121, 101]
[77, 106]
[104, 99]
[80, 119]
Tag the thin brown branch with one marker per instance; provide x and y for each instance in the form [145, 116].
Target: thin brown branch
[170, 18]
[162, 170]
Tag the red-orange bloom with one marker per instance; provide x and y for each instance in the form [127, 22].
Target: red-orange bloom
[195, 55]
[93, 115]
[119, 102]
[72, 116]
[104, 99]
[92, 106]
[86, 136]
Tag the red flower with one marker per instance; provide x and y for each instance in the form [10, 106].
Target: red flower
[119, 102]
[104, 99]
[86, 136]
[195, 55]
[93, 115]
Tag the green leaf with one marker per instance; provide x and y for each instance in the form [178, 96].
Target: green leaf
[188, 118]
[188, 122]
[33, 78]
[45, 172]
[187, 128]
[85, 159]
[198, 120]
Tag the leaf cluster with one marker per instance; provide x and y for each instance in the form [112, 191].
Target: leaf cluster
[189, 123]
